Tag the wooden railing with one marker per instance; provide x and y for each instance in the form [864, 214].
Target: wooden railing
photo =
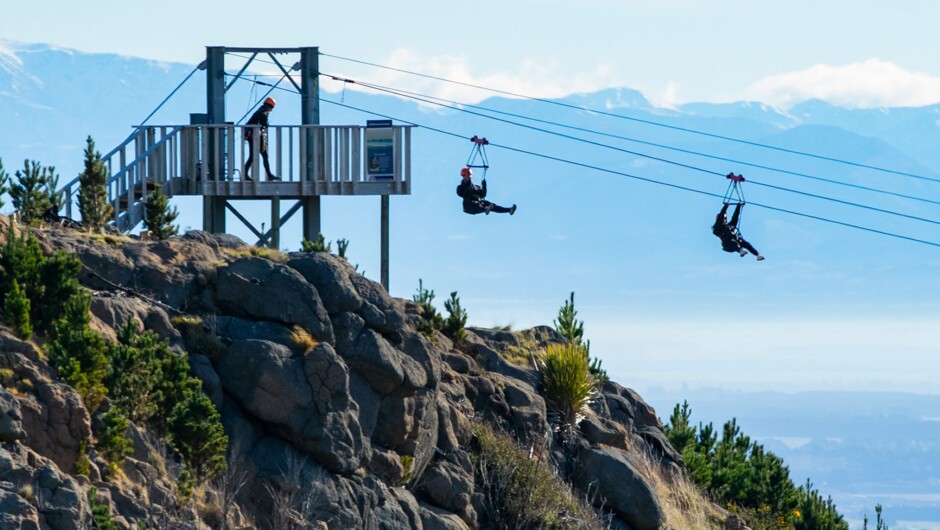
[210, 160]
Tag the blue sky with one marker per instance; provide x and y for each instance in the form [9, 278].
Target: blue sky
[855, 54]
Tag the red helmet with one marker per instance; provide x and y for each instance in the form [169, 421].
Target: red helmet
[465, 172]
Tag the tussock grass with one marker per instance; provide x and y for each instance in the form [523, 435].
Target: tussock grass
[684, 504]
[521, 491]
[303, 340]
[567, 381]
[270, 254]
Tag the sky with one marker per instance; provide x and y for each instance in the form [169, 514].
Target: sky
[857, 54]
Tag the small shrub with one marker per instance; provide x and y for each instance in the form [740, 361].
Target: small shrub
[112, 444]
[16, 312]
[79, 354]
[184, 487]
[456, 319]
[430, 319]
[34, 191]
[320, 245]
[303, 340]
[522, 492]
[158, 215]
[101, 513]
[407, 462]
[196, 432]
[83, 465]
[567, 381]
[6, 376]
[341, 245]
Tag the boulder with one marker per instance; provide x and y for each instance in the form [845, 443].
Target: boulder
[384, 315]
[612, 477]
[446, 485]
[116, 309]
[52, 414]
[330, 276]
[599, 430]
[434, 518]
[305, 399]
[385, 367]
[11, 420]
[245, 288]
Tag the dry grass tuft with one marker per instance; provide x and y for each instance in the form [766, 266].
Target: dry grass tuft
[304, 341]
[269, 254]
[684, 504]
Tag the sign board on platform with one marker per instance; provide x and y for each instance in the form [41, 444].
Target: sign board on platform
[380, 155]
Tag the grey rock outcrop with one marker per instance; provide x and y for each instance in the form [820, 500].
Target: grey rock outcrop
[614, 476]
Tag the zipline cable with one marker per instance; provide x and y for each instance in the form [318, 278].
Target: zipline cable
[640, 120]
[200, 66]
[636, 177]
[406, 93]
[667, 161]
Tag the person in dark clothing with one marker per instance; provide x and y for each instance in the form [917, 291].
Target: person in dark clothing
[731, 240]
[260, 118]
[473, 202]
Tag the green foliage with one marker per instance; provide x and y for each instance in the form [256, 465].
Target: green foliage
[456, 319]
[100, 513]
[45, 281]
[4, 183]
[83, 465]
[196, 432]
[880, 524]
[522, 492]
[58, 279]
[158, 216]
[16, 312]
[430, 319]
[407, 463]
[341, 245]
[567, 381]
[93, 194]
[569, 327]
[135, 372]
[184, 486]
[112, 444]
[740, 473]
[34, 191]
[77, 353]
[567, 323]
[320, 245]
[20, 261]
[814, 513]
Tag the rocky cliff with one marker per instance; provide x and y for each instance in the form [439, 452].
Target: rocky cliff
[366, 424]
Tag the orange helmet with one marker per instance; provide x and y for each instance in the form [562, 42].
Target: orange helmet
[270, 101]
[465, 172]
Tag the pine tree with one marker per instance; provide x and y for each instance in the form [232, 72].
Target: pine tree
[112, 444]
[456, 319]
[567, 324]
[16, 312]
[78, 353]
[34, 190]
[4, 181]
[158, 216]
[196, 432]
[93, 195]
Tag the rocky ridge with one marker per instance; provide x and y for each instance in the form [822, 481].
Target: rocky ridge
[371, 427]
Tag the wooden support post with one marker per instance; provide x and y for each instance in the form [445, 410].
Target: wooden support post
[311, 217]
[385, 241]
[275, 241]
